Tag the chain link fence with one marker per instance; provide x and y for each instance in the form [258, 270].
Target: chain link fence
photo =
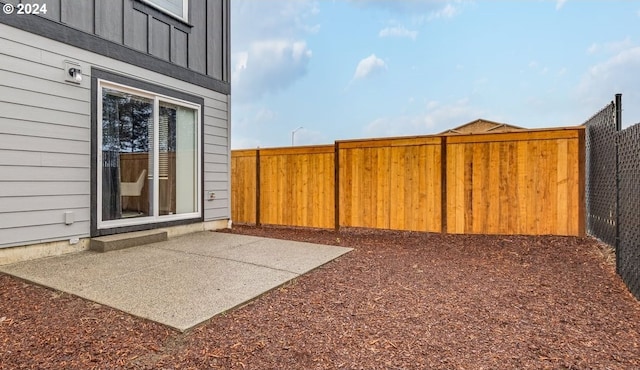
[600, 189]
[613, 189]
[628, 254]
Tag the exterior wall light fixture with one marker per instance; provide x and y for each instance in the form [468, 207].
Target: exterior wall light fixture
[73, 72]
[76, 74]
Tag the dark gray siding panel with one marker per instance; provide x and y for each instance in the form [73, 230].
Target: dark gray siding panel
[137, 31]
[53, 10]
[226, 50]
[179, 48]
[198, 36]
[78, 14]
[110, 27]
[190, 50]
[160, 39]
[214, 38]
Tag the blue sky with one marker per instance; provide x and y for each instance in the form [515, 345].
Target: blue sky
[349, 69]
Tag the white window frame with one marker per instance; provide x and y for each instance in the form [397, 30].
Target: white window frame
[156, 217]
[185, 9]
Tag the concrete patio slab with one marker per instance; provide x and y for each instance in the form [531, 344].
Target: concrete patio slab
[180, 282]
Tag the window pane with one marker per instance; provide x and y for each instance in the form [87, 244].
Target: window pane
[127, 124]
[186, 161]
[173, 6]
[177, 160]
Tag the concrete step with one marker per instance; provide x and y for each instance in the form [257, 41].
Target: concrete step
[127, 240]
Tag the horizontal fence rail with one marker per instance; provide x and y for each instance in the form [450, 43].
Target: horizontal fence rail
[529, 182]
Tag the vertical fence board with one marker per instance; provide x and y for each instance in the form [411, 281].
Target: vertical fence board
[573, 200]
[383, 189]
[521, 186]
[495, 188]
[243, 186]
[562, 186]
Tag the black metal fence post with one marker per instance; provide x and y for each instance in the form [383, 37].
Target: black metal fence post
[617, 137]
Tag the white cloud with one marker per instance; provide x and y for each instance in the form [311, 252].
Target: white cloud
[446, 12]
[272, 53]
[611, 47]
[560, 4]
[278, 19]
[243, 142]
[617, 46]
[400, 6]
[535, 66]
[311, 137]
[437, 117]
[398, 31]
[368, 66]
[420, 10]
[618, 74]
[268, 66]
[265, 115]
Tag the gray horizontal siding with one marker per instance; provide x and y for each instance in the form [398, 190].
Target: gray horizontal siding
[42, 233]
[216, 165]
[49, 101]
[51, 217]
[37, 114]
[13, 204]
[43, 173]
[37, 159]
[43, 144]
[45, 138]
[216, 104]
[216, 113]
[215, 149]
[42, 129]
[217, 158]
[217, 214]
[218, 131]
[216, 140]
[44, 188]
[26, 81]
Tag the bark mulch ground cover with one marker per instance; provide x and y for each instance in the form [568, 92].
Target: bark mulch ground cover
[400, 300]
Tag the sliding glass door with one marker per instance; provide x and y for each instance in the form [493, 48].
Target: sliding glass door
[149, 157]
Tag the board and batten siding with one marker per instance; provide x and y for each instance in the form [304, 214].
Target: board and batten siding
[197, 45]
[45, 138]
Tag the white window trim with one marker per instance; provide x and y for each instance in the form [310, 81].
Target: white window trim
[156, 217]
[185, 9]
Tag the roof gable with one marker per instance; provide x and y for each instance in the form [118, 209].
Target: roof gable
[481, 126]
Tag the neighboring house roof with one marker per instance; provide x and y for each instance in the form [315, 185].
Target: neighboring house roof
[481, 126]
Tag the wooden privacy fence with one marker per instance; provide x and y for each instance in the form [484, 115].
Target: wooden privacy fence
[529, 182]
